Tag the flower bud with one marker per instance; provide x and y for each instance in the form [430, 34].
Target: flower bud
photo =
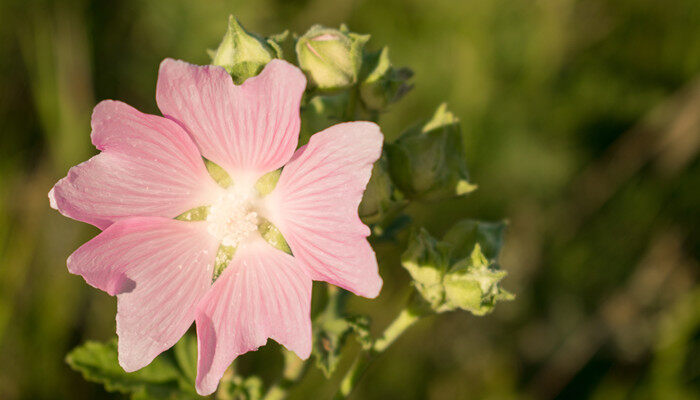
[243, 54]
[446, 279]
[381, 202]
[383, 84]
[427, 162]
[331, 58]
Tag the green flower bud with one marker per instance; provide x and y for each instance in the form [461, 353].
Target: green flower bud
[383, 84]
[244, 54]
[448, 281]
[381, 202]
[331, 58]
[427, 261]
[427, 162]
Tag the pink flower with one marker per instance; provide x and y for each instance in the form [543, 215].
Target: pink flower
[150, 170]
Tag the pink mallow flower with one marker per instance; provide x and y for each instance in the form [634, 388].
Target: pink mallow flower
[151, 170]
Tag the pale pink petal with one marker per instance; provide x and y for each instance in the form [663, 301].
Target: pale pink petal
[262, 294]
[159, 269]
[249, 129]
[315, 206]
[148, 167]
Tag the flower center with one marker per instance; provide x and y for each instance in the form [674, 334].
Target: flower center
[234, 216]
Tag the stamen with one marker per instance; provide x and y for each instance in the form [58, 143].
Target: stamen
[233, 218]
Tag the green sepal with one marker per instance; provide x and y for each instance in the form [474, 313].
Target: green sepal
[224, 255]
[427, 162]
[195, 214]
[242, 53]
[460, 271]
[381, 83]
[218, 174]
[273, 236]
[465, 234]
[267, 182]
[161, 379]
[283, 45]
[472, 284]
[426, 260]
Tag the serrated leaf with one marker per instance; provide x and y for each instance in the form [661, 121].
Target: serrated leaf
[359, 325]
[97, 362]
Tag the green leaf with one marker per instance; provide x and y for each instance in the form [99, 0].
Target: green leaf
[331, 330]
[185, 351]
[427, 162]
[456, 273]
[237, 387]
[97, 362]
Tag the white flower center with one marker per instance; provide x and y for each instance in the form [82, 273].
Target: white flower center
[234, 216]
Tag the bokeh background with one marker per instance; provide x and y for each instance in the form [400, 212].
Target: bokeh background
[581, 121]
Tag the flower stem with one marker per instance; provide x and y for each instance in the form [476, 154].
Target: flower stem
[292, 373]
[406, 318]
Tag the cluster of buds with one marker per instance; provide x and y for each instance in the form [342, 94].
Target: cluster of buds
[461, 270]
[346, 82]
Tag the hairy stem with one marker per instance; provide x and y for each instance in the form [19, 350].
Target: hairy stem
[406, 318]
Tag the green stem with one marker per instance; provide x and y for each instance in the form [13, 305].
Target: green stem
[406, 318]
[292, 373]
[354, 95]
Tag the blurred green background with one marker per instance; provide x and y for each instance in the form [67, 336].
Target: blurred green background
[581, 122]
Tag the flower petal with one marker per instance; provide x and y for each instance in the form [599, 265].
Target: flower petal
[315, 204]
[263, 293]
[148, 167]
[159, 269]
[249, 129]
